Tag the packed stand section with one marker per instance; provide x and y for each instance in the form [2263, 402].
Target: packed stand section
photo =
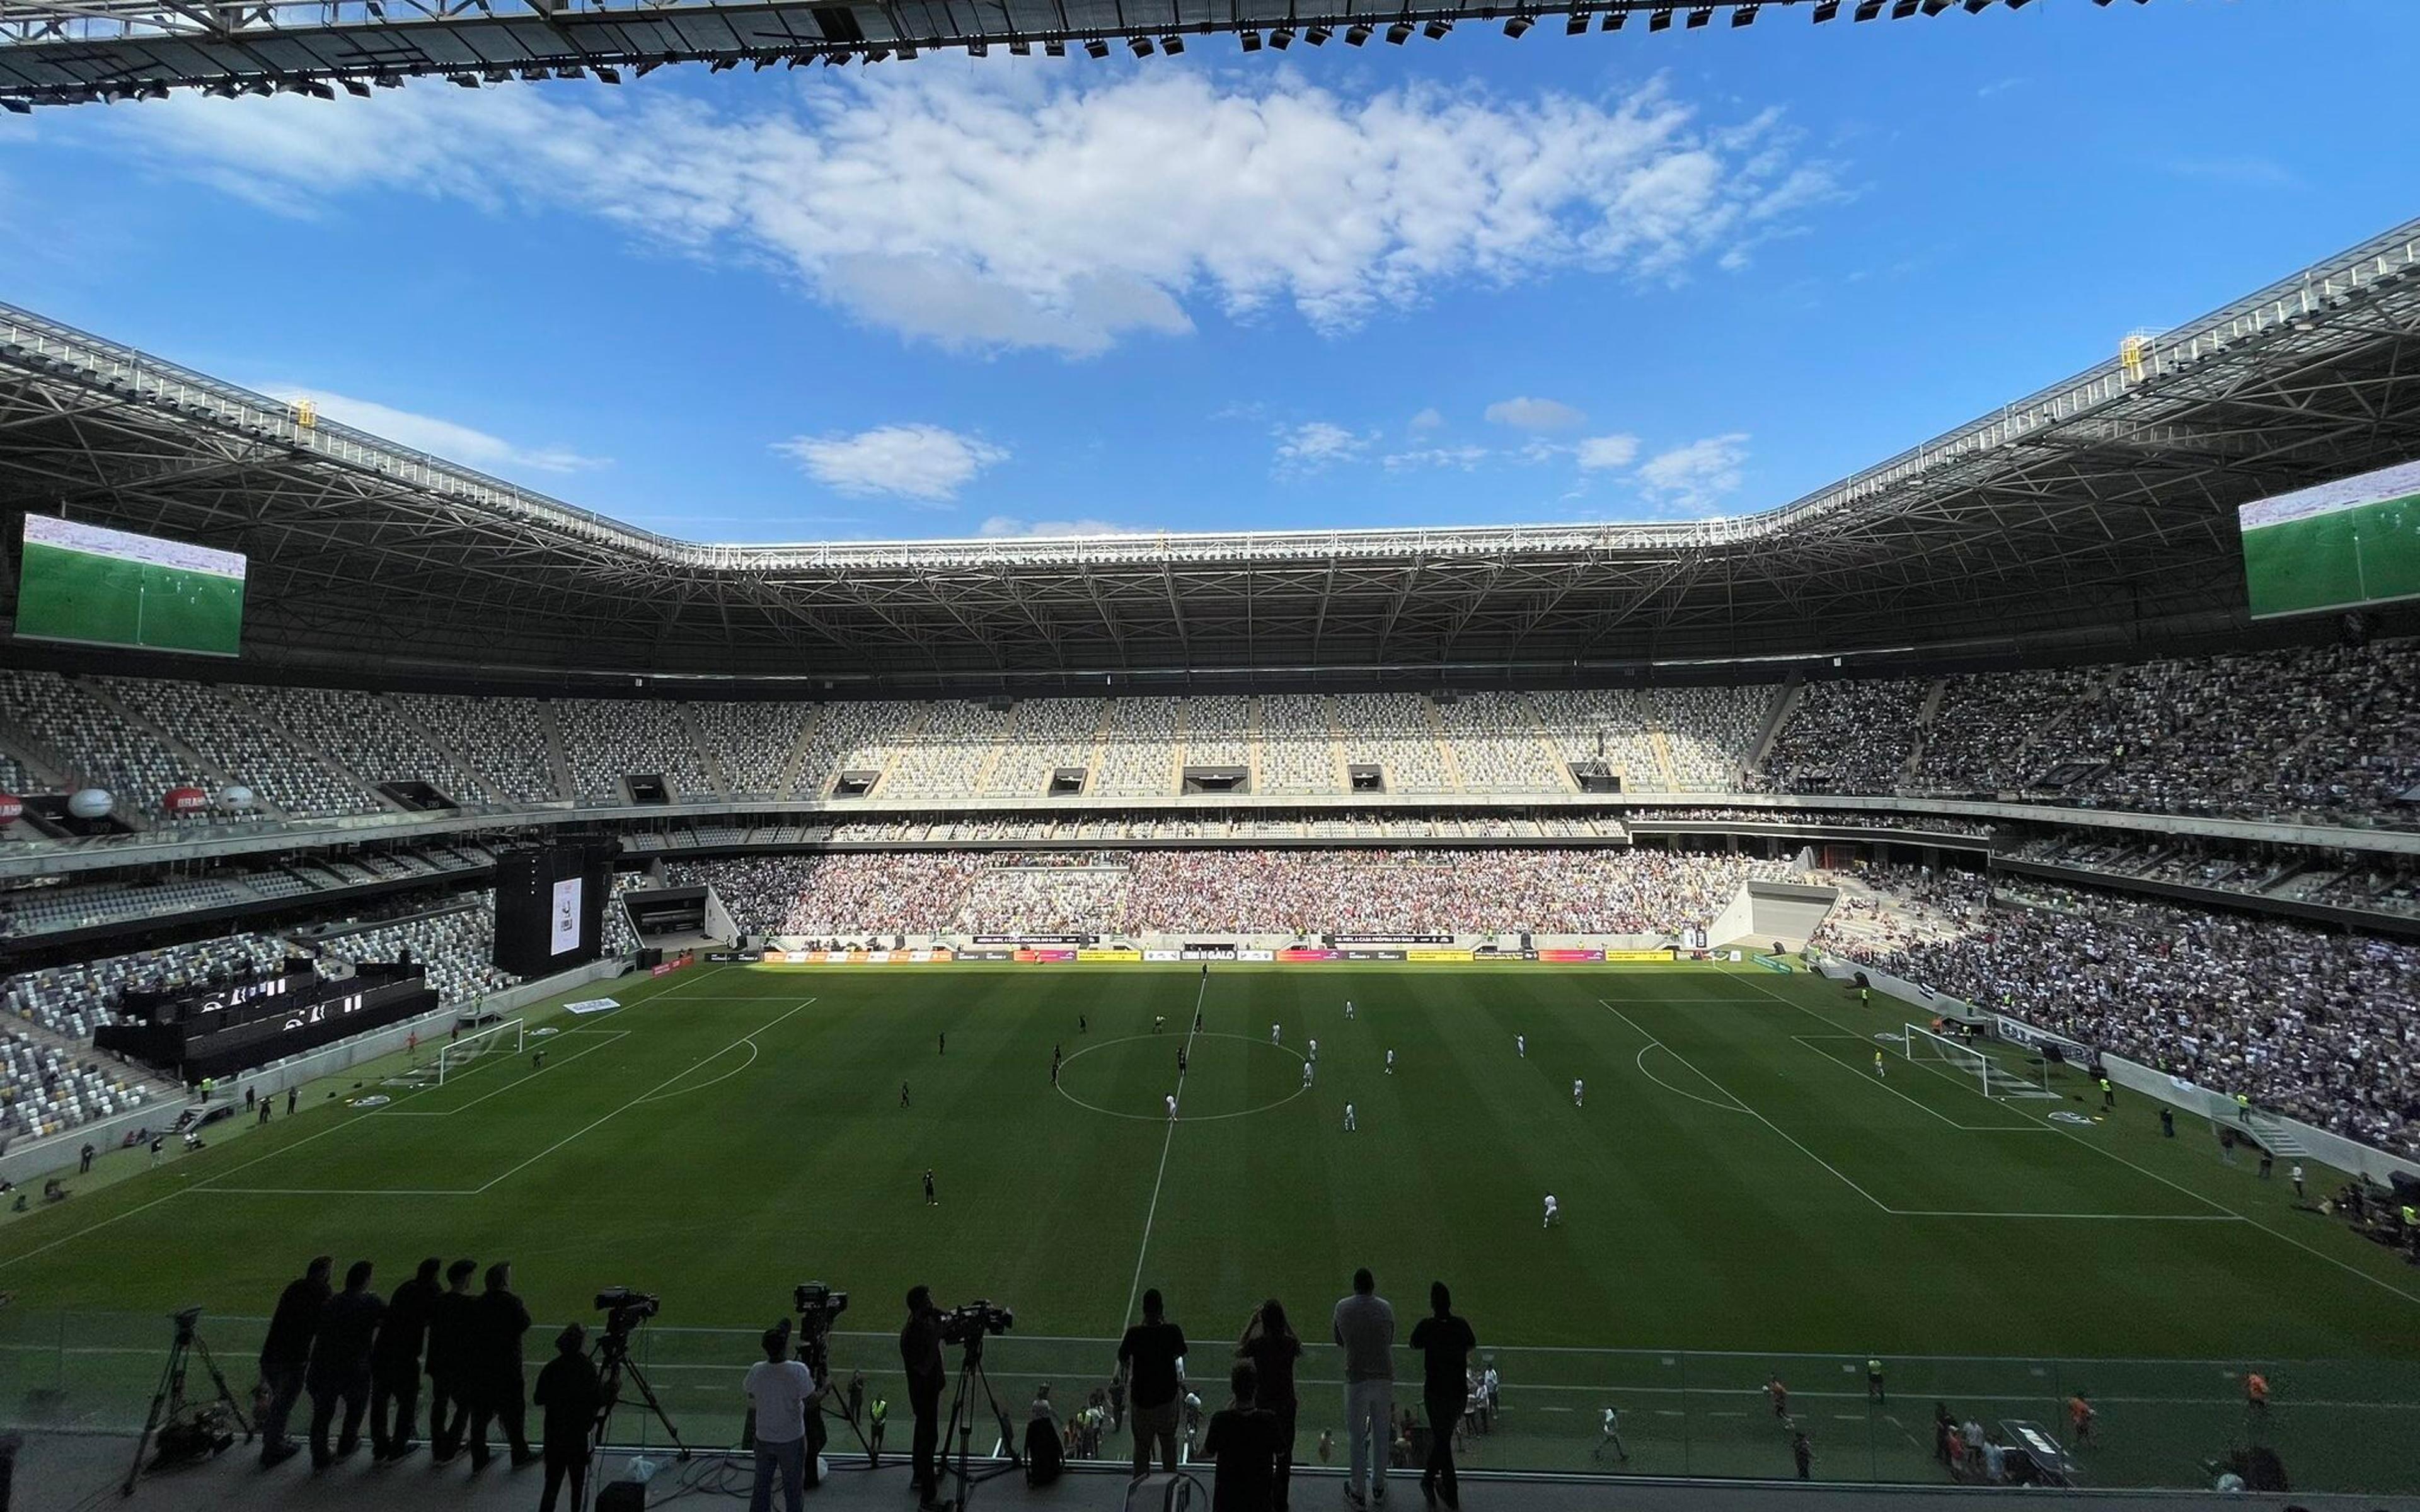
[504, 740]
[2313, 1024]
[1548, 890]
[99, 747]
[1992, 729]
[241, 741]
[363, 732]
[1848, 737]
[751, 742]
[1495, 741]
[606, 740]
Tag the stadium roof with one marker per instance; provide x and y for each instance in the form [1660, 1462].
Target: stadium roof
[2097, 515]
[67, 52]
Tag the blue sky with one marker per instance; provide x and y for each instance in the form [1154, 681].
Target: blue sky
[1465, 282]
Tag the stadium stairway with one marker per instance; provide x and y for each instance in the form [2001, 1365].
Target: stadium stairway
[60, 1470]
[2276, 1137]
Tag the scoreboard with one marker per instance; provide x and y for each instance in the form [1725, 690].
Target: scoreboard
[551, 906]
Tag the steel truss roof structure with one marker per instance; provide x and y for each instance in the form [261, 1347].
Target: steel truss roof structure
[2098, 513]
[67, 52]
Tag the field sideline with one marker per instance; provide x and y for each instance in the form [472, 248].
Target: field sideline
[1739, 1180]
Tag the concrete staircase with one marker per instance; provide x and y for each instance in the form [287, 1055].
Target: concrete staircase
[558, 761]
[2276, 1136]
[707, 758]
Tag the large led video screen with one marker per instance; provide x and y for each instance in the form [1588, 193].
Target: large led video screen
[2334, 546]
[97, 586]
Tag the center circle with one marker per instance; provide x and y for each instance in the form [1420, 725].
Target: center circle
[1165, 1047]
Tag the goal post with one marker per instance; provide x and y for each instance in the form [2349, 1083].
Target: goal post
[465, 1050]
[1992, 1078]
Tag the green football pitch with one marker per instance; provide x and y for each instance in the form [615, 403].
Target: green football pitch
[2366, 554]
[1740, 1194]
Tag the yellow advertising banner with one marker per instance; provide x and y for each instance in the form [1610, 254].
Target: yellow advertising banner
[1638, 955]
[1416, 954]
[1130, 957]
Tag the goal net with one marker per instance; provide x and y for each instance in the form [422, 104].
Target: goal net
[466, 1050]
[1992, 1076]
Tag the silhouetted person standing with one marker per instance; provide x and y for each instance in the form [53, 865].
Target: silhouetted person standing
[394, 1364]
[340, 1364]
[499, 1391]
[920, 1355]
[285, 1354]
[453, 1318]
[1445, 1342]
[1147, 1359]
[1243, 1439]
[569, 1394]
[1270, 1343]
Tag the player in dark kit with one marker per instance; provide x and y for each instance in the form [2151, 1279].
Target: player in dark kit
[930, 1200]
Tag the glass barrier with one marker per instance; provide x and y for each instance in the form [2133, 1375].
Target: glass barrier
[2339, 1425]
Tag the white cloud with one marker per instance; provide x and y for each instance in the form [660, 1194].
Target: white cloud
[925, 463]
[1461, 458]
[1534, 414]
[1008, 525]
[1427, 420]
[988, 207]
[1694, 479]
[1598, 453]
[1309, 448]
[438, 438]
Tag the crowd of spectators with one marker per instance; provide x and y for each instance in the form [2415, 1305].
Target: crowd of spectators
[2314, 1025]
[606, 740]
[1301, 892]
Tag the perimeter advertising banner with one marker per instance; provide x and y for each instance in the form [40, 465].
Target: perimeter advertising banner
[1437, 956]
[1571, 956]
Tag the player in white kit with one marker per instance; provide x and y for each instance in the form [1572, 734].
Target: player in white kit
[1551, 1207]
[1349, 1124]
[1305, 1074]
[1348, 1010]
[1171, 1108]
[1391, 1063]
[1315, 1052]
[1579, 1091]
[1521, 1045]
[1273, 1034]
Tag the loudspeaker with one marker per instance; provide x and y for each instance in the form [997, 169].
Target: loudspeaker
[649, 959]
[623, 1496]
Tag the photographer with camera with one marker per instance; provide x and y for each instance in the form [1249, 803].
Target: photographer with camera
[920, 1355]
[784, 1393]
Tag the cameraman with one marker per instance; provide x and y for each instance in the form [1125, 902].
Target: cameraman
[920, 1355]
[784, 1393]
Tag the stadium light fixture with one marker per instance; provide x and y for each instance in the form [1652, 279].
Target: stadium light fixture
[1435, 31]
[1317, 36]
[1901, 9]
[1281, 39]
[16, 107]
[1935, 7]
[907, 51]
[1868, 9]
[1826, 9]
[1613, 19]
[1976, 8]
[1096, 49]
[1398, 33]
[1699, 16]
[1744, 16]
[978, 48]
[722, 64]
[1054, 50]
[468, 81]
[1660, 21]
[1251, 41]
[606, 73]
[1515, 26]
[1577, 24]
[357, 89]
[1140, 45]
[1020, 50]
[1172, 44]
[1356, 35]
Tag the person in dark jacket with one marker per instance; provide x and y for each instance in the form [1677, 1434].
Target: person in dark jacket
[340, 1364]
[919, 1356]
[451, 1317]
[1243, 1440]
[499, 1388]
[285, 1354]
[1270, 1343]
[394, 1364]
[570, 1395]
[1444, 1341]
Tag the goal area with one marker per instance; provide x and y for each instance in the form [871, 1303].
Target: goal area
[1993, 1076]
[466, 1050]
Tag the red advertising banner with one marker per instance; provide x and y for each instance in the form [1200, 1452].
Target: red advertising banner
[1306, 953]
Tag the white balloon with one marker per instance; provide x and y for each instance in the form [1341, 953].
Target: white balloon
[91, 803]
[238, 797]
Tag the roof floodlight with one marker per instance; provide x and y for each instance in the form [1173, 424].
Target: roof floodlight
[1577, 24]
[1826, 9]
[1172, 44]
[1054, 50]
[1435, 31]
[1515, 26]
[1141, 46]
[1097, 48]
[1317, 36]
[607, 73]
[1660, 21]
[1356, 35]
[1281, 38]
[1398, 33]
[357, 89]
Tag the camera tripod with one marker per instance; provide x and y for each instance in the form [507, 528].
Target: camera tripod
[612, 1362]
[168, 1402]
[971, 1376]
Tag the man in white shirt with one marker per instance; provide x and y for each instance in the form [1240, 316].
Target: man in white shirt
[1521, 1045]
[1273, 1033]
[1314, 1049]
[783, 1391]
[1305, 1074]
[1171, 1108]
[1550, 1212]
[1349, 1124]
[1391, 1063]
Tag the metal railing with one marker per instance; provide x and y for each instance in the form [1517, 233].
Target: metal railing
[2344, 1425]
